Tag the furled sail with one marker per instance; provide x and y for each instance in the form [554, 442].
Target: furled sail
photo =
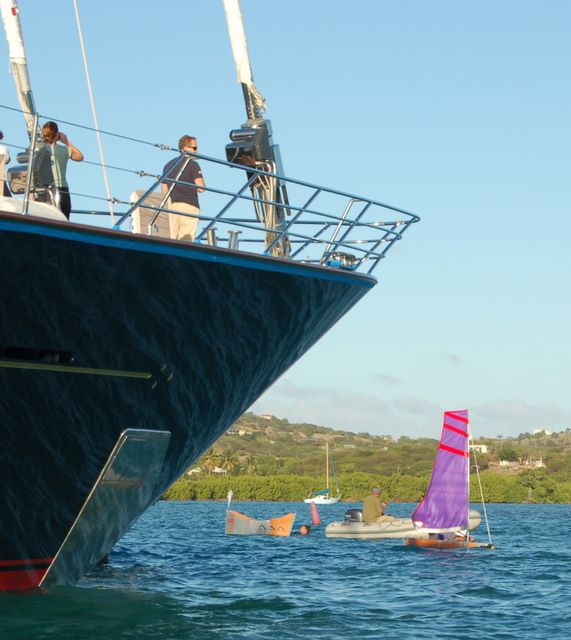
[446, 501]
[11, 20]
[255, 100]
[252, 144]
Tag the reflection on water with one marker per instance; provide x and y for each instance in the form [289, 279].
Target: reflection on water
[65, 612]
[177, 576]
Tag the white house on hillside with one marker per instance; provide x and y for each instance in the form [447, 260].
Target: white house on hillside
[545, 432]
[479, 448]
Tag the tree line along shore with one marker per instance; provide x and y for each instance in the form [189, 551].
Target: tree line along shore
[268, 458]
[530, 486]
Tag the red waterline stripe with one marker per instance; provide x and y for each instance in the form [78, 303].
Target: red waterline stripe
[453, 450]
[457, 416]
[456, 430]
[26, 562]
[21, 580]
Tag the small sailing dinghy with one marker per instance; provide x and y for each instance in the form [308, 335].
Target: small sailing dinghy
[443, 513]
[326, 496]
[238, 524]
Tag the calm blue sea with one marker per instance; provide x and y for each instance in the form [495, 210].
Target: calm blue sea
[177, 576]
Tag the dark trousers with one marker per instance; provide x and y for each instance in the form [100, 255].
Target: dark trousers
[58, 196]
[64, 201]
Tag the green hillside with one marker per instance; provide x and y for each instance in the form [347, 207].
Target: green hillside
[267, 458]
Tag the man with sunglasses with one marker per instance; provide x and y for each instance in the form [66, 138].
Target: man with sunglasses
[183, 197]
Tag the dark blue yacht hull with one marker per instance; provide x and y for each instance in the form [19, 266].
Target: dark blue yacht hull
[103, 331]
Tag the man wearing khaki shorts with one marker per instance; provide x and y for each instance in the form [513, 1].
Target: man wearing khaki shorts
[182, 197]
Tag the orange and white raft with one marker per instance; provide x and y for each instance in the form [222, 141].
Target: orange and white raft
[240, 525]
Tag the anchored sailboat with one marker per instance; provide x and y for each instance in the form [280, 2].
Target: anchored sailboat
[329, 495]
[125, 353]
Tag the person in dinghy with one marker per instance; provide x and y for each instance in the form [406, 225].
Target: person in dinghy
[374, 508]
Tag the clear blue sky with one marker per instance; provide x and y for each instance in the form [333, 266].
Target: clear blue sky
[458, 111]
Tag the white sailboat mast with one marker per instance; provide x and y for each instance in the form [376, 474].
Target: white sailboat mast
[327, 464]
[11, 20]
[255, 102]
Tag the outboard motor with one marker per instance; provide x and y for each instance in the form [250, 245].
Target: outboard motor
[354, 515]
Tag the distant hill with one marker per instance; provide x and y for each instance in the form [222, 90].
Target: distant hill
[268, 458]
[268, 446]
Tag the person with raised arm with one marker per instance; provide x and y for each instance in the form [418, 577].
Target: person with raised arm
[60, 154]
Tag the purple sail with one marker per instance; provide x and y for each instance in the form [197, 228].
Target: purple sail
[446, 501]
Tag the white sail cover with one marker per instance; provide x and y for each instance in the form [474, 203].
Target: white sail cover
[240, 50]
[11, 21]
[13, 31]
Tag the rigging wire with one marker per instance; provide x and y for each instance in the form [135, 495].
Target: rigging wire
[482, 496]
[158, 145]
[94, 112]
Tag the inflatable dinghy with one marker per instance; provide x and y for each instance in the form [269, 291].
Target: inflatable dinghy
[354, 527]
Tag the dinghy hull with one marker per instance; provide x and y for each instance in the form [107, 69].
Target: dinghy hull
[447, 543]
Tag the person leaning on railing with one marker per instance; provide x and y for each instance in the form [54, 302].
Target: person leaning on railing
[183, 198]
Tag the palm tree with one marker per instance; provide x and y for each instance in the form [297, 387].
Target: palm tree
[250, 466]
[210, 460]
[229, 460]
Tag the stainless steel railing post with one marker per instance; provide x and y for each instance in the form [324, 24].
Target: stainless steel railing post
[33, 142]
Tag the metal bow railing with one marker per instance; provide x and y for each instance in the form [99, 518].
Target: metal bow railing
[319, 225]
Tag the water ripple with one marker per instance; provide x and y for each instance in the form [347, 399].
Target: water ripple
[177, 576]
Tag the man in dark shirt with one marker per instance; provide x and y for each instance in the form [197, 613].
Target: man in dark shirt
[182, 197]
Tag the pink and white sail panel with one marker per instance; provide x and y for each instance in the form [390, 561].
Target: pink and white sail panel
[445, 504]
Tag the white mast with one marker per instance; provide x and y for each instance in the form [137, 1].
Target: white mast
[255, 102]
[327, 464]
[11, 20]
[252, 145]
